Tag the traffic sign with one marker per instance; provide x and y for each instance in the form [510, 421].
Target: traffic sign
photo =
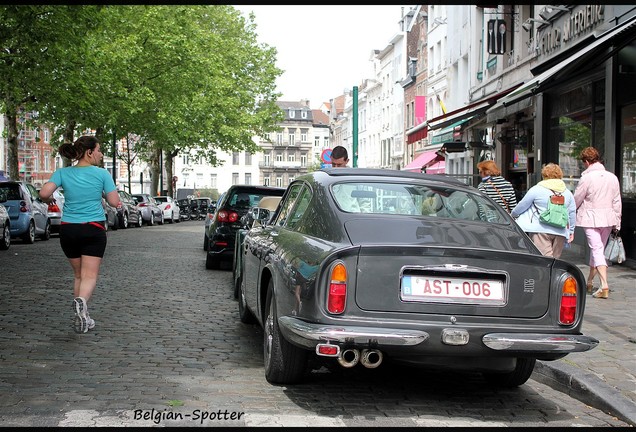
[325, 156]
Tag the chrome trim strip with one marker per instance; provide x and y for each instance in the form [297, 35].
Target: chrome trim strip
[536, 342]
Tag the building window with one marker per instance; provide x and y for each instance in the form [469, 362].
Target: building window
[248, 158]
[316, 141]
[291, 157]
[47, 135]
[279, 138]
[303, 160]
[200, 180]
[279, 157]
[326, 141]
[292, 138]
[292, 113]
[266, 181]
[235, 178]
[303, 135]
[290, 180]
[279, 181]
[235, 158]
[213, 181]
[47, 161]
[248, 178]
[266, 159]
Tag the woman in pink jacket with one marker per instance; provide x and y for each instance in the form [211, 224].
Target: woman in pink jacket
[599, 208]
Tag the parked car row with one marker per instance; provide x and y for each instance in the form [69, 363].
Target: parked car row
[23, 215]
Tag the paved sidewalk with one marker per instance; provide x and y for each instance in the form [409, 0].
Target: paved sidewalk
[604, 377]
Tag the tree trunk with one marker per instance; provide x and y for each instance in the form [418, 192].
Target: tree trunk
[69, 134]
[12, 139]
[170, 172]
[155, 169]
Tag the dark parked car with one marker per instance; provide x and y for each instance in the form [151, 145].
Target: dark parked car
[128, 214]
[28, 213]
[150, 211]
[234, 204]
[435, 274]
[5, 226]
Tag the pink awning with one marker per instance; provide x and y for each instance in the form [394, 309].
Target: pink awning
[423, 161]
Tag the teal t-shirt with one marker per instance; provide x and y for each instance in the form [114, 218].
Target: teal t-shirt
[83, 187]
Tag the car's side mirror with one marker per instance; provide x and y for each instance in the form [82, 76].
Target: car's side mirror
[261, 216]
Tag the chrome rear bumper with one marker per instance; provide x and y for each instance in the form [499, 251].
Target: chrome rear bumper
[309, 334]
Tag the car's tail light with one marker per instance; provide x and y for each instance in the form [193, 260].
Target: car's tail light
[54, 208]
[337, 296]
[23, 207]
[142, 205]
[227, 216]
[167, 207]
[567, 311]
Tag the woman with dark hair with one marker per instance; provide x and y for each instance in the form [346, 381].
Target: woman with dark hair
[83, 232]
[599, 208]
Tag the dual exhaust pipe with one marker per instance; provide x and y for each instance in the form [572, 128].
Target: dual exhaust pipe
[369, 358]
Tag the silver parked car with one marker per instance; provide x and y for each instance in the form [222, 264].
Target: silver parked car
[150, 211]
[5, 226]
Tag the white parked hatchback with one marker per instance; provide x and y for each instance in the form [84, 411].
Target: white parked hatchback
[169, 207]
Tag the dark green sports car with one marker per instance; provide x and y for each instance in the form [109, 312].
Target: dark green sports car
[377, 267]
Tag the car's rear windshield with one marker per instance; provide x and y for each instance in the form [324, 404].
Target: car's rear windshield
[247, 199]
[161, 199]
[10, 191]
[418, 200]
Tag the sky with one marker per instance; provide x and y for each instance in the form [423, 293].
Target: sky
[310, 39]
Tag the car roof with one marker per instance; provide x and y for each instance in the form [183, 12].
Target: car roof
[377, 172]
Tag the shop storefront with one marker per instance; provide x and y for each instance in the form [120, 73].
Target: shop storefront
[583, 94]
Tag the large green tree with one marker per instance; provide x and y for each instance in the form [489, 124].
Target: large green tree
[178, 78]
[35, 41]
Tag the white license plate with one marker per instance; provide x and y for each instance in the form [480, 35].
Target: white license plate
[452, 290]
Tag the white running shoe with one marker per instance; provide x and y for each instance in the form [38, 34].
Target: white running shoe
[82, 320]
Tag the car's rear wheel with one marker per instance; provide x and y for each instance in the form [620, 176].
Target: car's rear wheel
[161, 219]
[6, 238]
[29, 235]
[140, 220]
[46, 235]
[123, 223]
[245, 315]
[151, 221]
[517, 377]
[284, 363]
[212, 263]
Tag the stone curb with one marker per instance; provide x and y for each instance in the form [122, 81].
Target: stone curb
[585, 387]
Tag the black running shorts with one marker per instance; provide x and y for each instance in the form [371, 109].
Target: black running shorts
[79, 239]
